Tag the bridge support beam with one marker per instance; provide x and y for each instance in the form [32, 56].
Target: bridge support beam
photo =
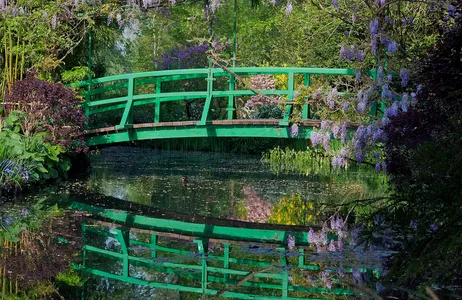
[203, 248]
[157, 104]
[290, 98]
[231, 108]
[306, 107]
[208, 100]
[127, 117]
[123, 236]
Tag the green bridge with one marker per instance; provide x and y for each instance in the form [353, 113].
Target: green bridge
[208, 256]
[123, 93]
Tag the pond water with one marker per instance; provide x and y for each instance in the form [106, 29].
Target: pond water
[160, 188]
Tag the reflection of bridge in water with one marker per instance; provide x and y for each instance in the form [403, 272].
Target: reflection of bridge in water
[208, 256]
[123, 93]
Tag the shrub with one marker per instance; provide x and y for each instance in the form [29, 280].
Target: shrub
[51, 108]
[424, 155]
[28, 158]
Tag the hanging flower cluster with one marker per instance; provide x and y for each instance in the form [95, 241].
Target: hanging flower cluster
[380, 94]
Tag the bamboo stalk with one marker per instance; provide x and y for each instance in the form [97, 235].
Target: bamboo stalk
[11, 63]
[17, 59]
[22, 59]
[3, 283]
[5, 71]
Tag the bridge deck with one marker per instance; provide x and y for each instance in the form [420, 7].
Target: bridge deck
[270, 122]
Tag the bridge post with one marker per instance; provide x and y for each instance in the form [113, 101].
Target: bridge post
[285, 273]
[208, 100]
[123, 236]
[127, 120]
[306, 106]
[231, 108]
[157, 104]
[290, 98]
[226, 248]
[203, 247]
[153, 245]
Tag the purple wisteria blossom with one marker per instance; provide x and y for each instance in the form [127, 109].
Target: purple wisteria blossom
[326, 124]
[289, 8]
[404, 102]
[326, 141]
[340, 160]
[335, 3]
[392, 111]
[343, 132]
[374, 27]
[392, 47]
[357, 277]
[291, 242]
[386, 93]
[404, 74]
[451, 10]
[361, 107]
[294, 130]
[332, 247]
[380, 75]
[316, 138]
[336, 131]
[54, 22]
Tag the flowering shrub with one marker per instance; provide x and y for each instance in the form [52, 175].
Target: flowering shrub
[423, 155]
[262, 82]
[194, 56]
[13, 174]
[379, 95]
[50, 108]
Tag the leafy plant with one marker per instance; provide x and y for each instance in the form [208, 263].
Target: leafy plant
[28, 158]
[75, 74]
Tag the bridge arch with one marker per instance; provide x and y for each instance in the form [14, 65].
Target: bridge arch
[97, 101]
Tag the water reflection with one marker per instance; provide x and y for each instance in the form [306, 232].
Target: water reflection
[233, 259]
[127, 251]
[191, 223]
[224, 185]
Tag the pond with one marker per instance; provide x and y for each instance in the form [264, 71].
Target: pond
[171, 225]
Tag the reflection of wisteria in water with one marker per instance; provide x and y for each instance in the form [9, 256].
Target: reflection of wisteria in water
[338, 252]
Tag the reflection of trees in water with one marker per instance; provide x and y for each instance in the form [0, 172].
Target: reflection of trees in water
[37, 249]
[256, 209]
[293, 210]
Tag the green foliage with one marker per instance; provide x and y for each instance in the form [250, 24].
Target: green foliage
[75, 74]
[308, 162]
[43, 159]
[17, 219]
[70, 277]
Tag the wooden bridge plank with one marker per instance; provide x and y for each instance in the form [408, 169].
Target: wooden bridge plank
[274, 122]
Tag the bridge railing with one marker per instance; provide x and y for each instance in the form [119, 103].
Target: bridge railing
[207, 272]
[129, 86]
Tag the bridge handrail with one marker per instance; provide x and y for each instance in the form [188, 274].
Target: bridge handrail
[220, 72]
[158, 77]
